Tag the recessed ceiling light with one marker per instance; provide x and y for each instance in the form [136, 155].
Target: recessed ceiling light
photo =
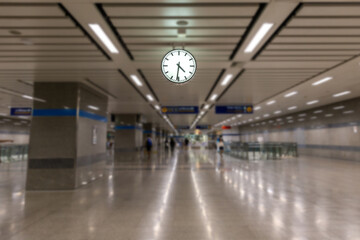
[263, 30]
[318, 111]
[226, 79]
[213, 97]
[312, 102]
[277, 112]
[290, 94]
[338, 107]
[322, 81]
[257, 118]
[103, 37]
[93, 107]
[302, 115]
[150, 98]
[270, 102]
[136, 80]
[292, 108]
[27, 97]
[257, 108]
[207, 106]
[348, 112]
[266, 115]
[314, 117]
[239, 115]
[341, 94]
[301, 119]
[290, 121]
[289, 117]
[329, 115]
[157, 107]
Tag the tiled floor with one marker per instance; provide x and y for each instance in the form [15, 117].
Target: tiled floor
[190, 195]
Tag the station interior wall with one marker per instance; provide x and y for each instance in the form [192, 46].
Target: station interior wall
[331, 133]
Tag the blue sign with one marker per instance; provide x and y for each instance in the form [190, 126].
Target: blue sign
[182, 127]
[233, 109]
[202, 127]
[180, 109]
[20, 111]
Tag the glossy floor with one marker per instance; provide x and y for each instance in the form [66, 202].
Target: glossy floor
[190, 195]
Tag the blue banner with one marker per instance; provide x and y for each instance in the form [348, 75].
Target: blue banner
[20, 111]
[233, 109]
[180, 109]
[202, 127]
[183, 127]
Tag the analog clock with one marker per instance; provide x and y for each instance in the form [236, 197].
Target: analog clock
[178, 66]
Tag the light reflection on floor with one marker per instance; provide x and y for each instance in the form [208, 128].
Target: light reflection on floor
[190, 194]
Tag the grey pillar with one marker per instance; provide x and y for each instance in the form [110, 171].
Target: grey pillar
[67, 136]
[128, 132]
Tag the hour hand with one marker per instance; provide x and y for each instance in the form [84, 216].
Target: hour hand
[180, 67]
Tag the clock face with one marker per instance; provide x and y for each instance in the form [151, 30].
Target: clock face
[178, 66]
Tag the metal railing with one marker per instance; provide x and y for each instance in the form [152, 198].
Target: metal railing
[13, 153]
[261, 151]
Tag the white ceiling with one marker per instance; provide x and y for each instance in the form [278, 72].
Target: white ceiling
[44, 41]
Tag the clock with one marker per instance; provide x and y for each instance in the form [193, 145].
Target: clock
[178, 66]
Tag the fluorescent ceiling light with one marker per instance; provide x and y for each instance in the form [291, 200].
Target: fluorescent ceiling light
[27, 97]
[322, 81]
[277, 112]
[348, 112]
[302, 115]
[257, 118]
[157, 107]
[290, 94]
[341, 94]
[301, 119]
[257, 108]
[226, 79]
[314, 117]
[289, 117]
[312, 102]
[93, 107]
[213, 97]
[202, 112]
[263, 30]
[338, 107]
[329, 115]
[150, 97]
[239, 115]
[266, 115]
[207, 106]
[136, 80]
[292, 108]
[270, 102]
[103, 37]
[318, 111]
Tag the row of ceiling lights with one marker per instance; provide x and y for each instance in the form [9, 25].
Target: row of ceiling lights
[260, 34]
[287, 95]
[96, 28]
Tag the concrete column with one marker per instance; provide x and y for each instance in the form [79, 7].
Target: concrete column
[67, 136]
[128, 132]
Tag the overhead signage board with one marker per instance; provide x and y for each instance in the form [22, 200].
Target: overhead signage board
[180, 109]
[234, 109]
[183, 127]
[20, 111]
[203, 127]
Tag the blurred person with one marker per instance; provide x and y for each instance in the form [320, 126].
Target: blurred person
[148, 145]
[172, 144]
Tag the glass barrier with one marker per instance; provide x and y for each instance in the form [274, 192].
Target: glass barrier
[261, 151]
[13, 153]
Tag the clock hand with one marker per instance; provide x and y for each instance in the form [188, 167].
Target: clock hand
[177, 74]
[181, 68]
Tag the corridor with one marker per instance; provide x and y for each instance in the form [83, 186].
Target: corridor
[190, 194]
